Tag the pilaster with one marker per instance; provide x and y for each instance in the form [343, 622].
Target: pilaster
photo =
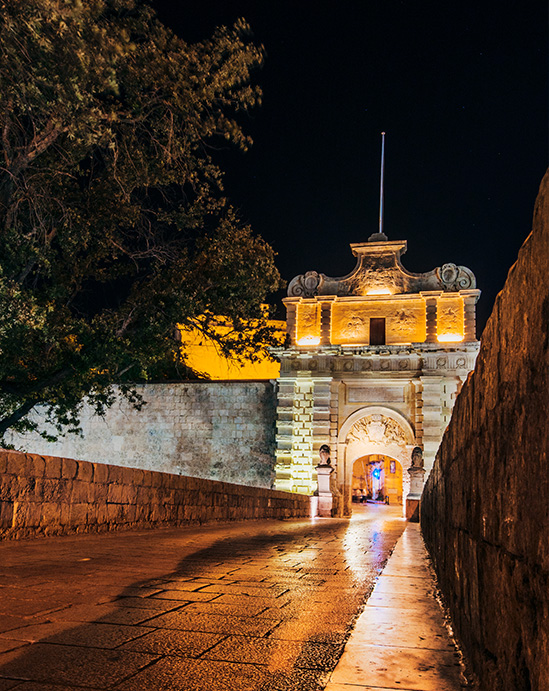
[431, 319]
[418, 410]
[284, 434]
[326, 321]
[291, 318]
[432, 418]
[469, 317]
[321, 412]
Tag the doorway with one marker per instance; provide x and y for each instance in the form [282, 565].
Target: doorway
[377, 478]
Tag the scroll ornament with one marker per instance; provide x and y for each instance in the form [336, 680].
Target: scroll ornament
[452, 277]
[305, 285]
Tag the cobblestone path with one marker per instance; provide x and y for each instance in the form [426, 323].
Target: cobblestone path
[255, 605]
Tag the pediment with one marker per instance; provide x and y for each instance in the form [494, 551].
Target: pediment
[379, 271]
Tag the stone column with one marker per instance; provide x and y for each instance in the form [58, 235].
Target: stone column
[431, 324]
[324, 493]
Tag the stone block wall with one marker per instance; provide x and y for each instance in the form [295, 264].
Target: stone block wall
[209, 429]
[44, 495]
[485, 506]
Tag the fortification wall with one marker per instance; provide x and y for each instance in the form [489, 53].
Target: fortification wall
[485, 507]
[215, 430]
[44, 495]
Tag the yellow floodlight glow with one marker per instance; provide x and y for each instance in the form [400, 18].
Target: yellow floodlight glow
[449, 338]
[379, 291]
[309, 341]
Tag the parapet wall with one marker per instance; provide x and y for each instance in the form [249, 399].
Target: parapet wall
[485, 507]
[44, 495]
[217, 430]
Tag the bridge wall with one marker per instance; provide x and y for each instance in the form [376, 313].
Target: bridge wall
[45, 495]
[485, 507]
[217, 430]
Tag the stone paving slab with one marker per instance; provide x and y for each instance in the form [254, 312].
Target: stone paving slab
[264, 605]
[69, 664]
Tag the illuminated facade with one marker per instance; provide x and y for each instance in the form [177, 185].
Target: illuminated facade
[375, 362]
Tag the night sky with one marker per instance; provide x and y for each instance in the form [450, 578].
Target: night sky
[461, 91]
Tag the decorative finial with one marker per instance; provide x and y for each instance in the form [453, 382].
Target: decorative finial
[380, 235]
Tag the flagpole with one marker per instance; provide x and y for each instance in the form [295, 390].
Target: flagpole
[381, 182]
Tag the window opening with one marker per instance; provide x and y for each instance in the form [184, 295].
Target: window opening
[377, 331]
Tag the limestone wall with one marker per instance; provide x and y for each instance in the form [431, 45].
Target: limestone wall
[215, 430]
[485, 507]
[44, 495]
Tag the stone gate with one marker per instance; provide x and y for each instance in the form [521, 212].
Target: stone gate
[374, 363]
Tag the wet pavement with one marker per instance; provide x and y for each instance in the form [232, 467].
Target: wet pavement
[401, 640]
[264, 605]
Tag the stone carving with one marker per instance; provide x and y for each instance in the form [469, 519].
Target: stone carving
[404, 321]
[450, 317]
[377, 429]
[308, 318]
[352, 327]
[417, 457]
[441, 363]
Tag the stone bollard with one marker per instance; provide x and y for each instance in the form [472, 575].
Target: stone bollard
[417, 476]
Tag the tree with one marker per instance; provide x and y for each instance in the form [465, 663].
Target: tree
[113, 224]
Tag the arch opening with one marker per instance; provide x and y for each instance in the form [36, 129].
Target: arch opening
[377, 478]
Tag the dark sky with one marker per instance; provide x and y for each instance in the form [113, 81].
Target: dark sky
[459, 87]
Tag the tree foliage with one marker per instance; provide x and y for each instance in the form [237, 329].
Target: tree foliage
[113, 224]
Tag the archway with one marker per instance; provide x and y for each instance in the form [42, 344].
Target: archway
[374, 431]
[377, 478]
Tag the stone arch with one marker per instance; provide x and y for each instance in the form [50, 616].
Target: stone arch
[369, 431]
[385, 411]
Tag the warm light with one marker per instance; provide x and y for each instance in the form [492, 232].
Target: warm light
[447, 338]
[202, 354]
[379, 291]
[309, 340]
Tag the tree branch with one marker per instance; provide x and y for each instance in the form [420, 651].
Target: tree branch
[17, 415]
[38, 145]
[9, 387]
